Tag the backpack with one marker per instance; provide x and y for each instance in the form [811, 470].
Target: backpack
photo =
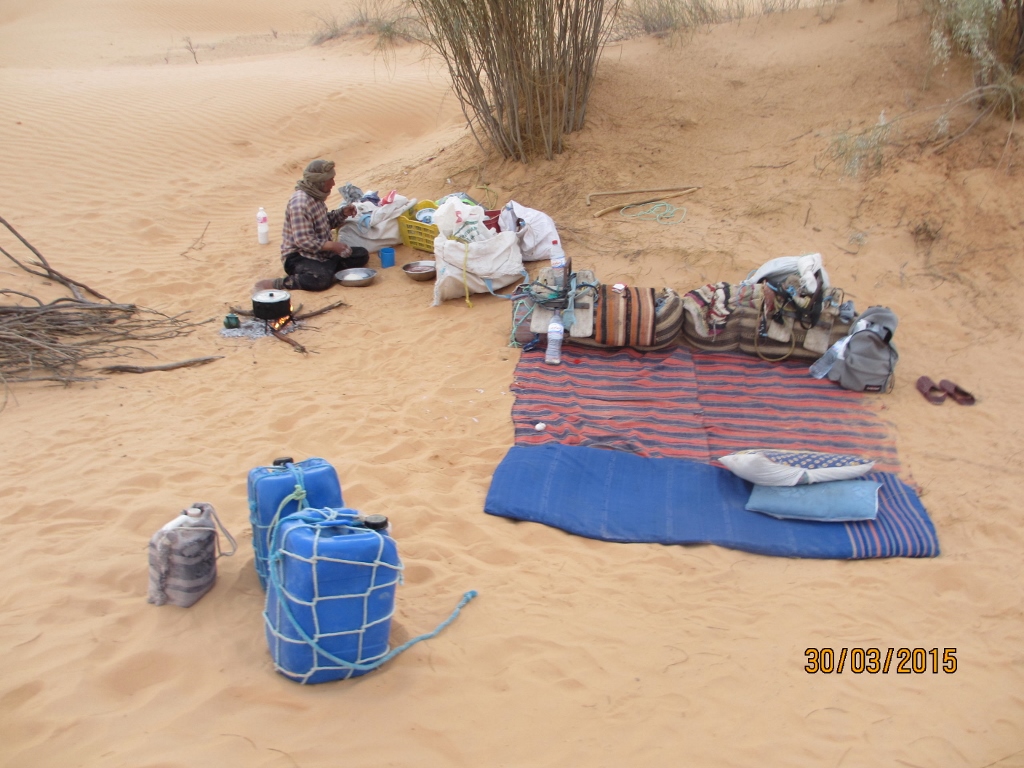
[868, 361]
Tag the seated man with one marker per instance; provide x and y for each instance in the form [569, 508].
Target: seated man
[310, 257]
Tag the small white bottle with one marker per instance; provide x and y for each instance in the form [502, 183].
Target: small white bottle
[553, 353]
[262, 227]
[558, 265]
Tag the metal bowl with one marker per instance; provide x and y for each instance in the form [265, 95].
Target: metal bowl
[420, 270]
[356, 277]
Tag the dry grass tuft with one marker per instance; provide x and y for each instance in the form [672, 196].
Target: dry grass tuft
[389, 22]
[862, 152]
[662, 18]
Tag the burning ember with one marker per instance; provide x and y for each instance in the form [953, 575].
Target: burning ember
[281, 322]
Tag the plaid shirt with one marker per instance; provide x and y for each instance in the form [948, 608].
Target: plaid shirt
[307, 226]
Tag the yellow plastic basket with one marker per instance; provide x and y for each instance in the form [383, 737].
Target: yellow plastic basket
[415, 233]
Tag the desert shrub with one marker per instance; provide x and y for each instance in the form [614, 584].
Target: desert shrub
[991, 33]
[661, 18]
[666, 17]
[327, 27]
[389, 22]
[521, 70]
[863, 151]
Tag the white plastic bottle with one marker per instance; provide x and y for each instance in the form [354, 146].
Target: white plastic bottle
[262, 227]
[558, 265]
[553, 353]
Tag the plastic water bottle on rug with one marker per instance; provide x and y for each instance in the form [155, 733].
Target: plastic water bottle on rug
[558, 265]
[819, 368]
[262, 227]
[553, 353]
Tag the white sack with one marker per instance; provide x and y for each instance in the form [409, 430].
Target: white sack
[779, 268]
[455, 218]
[535, 239]
[459, 265]
[375, 226]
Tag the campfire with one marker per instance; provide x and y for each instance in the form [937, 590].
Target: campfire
[274, 308]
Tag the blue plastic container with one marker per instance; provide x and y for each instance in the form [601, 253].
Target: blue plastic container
[331, 595]
[270, 486]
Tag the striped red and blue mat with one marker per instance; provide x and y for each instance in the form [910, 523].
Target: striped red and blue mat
[694, 406]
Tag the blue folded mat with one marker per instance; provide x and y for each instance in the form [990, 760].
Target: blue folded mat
[618, 496]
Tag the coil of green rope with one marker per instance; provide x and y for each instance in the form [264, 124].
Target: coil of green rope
[661, 212]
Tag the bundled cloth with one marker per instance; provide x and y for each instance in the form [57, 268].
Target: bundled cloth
[183, 556]
[709, 308]
[784, 309]
[624, 316]
[375, 226]
[640, 318]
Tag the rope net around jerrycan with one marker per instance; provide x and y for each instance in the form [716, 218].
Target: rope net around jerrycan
[283, 489]
[331, 596]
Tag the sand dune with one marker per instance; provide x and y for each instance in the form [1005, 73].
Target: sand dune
[140, 173]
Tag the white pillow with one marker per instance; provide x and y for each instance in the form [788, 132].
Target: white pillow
[771, 467]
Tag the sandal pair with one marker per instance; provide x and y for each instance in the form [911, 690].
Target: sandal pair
[936, 394]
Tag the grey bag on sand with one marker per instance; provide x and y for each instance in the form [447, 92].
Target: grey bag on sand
[183, 556]
[868, 360]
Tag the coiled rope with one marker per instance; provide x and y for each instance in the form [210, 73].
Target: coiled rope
[660, 212]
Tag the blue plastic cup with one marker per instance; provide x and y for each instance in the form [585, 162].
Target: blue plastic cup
[387, 257]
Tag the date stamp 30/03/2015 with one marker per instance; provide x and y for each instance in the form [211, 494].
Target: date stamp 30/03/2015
[902, 661]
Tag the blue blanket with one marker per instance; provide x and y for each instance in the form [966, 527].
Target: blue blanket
[618, 496]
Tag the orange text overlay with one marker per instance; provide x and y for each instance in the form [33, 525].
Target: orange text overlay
[902, 661]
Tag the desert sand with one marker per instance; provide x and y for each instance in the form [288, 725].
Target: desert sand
[139, 171]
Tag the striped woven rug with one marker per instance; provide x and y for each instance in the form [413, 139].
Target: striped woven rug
[686, 404]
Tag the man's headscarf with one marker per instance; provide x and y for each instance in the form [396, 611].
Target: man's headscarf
[313, 178]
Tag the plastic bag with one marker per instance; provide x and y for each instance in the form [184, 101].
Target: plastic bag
[454, 216]
[779, 268]
[536, 237]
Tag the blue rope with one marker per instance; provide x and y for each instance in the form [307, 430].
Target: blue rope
[298, 494]
[276, 565]
[660, 212]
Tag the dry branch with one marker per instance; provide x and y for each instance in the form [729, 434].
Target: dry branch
[165, 367]
[620, 206]
[54, 341]
[197, 244]
[286, 340]
[320, 311]
[51, 273]
[59, 338]
[686, 188]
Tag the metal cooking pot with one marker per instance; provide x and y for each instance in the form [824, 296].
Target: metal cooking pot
[271, 305]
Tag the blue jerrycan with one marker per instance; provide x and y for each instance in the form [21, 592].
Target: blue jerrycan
[330, 594]
[282, 489]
